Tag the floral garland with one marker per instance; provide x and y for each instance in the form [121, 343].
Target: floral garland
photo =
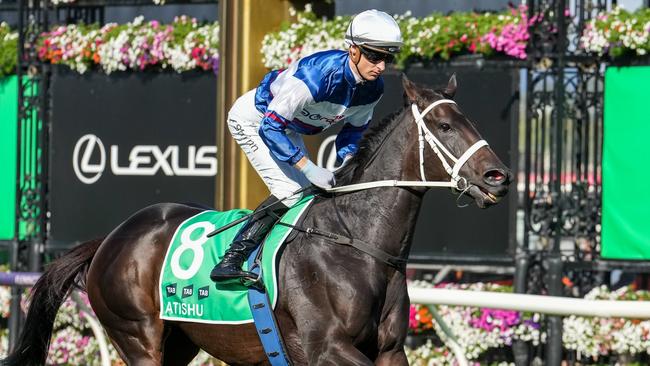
[479, 330]
[8, 50]
[618, 32]
[431, 37]
[138, 45]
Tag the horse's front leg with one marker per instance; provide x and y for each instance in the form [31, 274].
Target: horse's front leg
[334, 323]
[395, 358]
[336, 353]
[394, 324]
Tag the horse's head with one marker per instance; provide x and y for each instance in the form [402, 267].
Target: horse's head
[472, 163]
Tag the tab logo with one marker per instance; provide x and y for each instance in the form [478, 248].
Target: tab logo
[204, 292]
[188, 291]
[170, 289]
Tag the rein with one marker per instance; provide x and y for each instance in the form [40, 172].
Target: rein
[399, 263]
[456, 181]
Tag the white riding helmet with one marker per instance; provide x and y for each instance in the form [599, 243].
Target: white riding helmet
[375, 29]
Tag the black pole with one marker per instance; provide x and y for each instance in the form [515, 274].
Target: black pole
[521, 349]
[15, 314]
[554, 260]
[42, 129]
[554, 323]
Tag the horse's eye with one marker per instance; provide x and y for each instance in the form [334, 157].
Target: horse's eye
[445, 127]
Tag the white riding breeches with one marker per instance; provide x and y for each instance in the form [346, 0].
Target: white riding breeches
[281, 178]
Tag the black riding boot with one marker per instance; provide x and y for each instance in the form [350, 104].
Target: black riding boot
[247, 239]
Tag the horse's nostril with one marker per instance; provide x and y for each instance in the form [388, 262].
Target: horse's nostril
[495, 177]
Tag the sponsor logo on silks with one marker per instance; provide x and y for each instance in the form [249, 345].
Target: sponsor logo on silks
[170, 289]
[188, 291]
[178, 308]
[144, 160]
[204, 292]
[318, 117]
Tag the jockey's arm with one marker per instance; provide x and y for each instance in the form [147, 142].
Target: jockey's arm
[348, 138]
[347, 141]
[273, 133]
[289, 100]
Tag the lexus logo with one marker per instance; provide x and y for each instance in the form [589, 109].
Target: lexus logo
[327, 154]
[83, 150]
[143, 160]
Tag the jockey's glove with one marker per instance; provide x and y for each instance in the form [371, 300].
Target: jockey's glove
[318, 176]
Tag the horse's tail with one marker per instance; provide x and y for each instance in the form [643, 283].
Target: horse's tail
[46, 297]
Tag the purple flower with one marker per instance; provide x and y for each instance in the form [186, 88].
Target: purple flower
[492, 318]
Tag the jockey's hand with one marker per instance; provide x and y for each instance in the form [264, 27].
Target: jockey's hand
[318, 176]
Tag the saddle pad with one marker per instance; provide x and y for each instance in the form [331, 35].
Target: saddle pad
[186, 291]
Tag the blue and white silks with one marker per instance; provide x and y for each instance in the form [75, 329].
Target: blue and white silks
[310, 96]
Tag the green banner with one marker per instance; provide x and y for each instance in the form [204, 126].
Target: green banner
[186, 291]
[8, 122]
[626, 166]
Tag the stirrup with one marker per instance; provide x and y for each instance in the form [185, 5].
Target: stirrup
[251, 279]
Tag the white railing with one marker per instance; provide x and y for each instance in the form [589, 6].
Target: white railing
[551, 305]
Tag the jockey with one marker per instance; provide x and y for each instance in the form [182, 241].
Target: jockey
[314, 93]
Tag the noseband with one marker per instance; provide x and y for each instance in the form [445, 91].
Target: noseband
[456, 181]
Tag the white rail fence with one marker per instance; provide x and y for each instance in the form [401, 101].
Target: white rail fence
[551, 305]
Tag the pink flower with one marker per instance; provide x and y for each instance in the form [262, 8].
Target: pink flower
[413, 322]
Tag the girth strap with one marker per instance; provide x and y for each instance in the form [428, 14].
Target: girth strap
[396, 262]
[263, 316]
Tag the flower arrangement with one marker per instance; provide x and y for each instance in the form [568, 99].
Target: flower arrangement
[480, 330]
[618, 33]
[138, 45]
[594, 337]
[431, 37]
[73, 342]
[8, 50]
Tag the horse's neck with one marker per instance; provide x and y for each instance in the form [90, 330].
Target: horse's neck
[386, 217]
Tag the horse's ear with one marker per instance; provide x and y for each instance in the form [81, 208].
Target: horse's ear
[450, 90]
[411, 91]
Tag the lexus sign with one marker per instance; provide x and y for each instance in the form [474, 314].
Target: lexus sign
[120, 143]
[143, 160]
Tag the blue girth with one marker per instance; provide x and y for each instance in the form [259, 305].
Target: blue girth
[265, 323]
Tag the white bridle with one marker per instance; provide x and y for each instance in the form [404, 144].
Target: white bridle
[425, 135]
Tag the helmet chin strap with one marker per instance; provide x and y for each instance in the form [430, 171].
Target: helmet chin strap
[356, 65]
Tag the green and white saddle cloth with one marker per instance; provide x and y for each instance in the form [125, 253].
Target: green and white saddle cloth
[186, 291]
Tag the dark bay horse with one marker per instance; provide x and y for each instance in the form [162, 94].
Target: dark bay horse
[337, 305]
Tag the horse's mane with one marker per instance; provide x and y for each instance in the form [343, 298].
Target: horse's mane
[375, 135]
[370, 141]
